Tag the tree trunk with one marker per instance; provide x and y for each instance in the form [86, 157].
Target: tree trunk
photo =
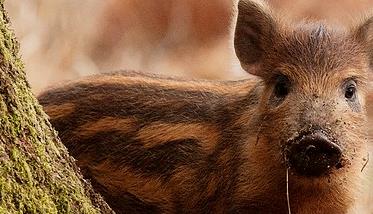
[36, 173]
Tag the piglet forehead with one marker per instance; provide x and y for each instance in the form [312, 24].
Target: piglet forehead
[315, 49]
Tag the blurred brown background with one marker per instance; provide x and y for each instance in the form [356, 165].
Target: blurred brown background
[63, 39]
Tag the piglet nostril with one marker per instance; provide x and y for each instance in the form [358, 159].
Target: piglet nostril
[314, 154]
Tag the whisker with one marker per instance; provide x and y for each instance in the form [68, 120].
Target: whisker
[366, 163]
[260, 130]
[287, 189]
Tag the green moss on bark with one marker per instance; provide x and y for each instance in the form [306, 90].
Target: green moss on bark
[36, 173]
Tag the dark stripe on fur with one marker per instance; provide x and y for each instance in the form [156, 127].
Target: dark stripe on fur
[124, 150]
[126, 202]
[151, 105]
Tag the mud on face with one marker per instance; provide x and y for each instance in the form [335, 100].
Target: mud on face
[317, 95]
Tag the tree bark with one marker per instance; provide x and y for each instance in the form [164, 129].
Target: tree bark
[36, 173]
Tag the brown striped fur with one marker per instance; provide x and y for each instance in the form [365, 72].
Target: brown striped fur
[162, 145]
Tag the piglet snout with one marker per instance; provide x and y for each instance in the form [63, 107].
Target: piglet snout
[314, 154]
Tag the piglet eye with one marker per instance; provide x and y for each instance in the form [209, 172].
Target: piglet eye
[282, 87]
[350, 92]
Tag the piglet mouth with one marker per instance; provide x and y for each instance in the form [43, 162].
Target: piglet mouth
[314, 154]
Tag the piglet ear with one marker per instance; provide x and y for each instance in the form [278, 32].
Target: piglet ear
[254, 32]
[364, 34]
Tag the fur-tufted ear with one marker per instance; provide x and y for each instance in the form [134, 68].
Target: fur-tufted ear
[364, 34]
[255, 29]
